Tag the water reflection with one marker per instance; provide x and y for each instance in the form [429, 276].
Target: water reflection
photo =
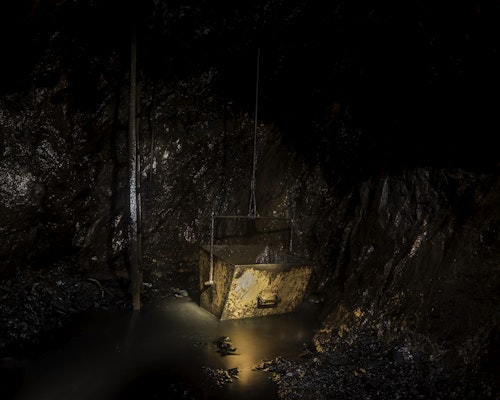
[142, 355]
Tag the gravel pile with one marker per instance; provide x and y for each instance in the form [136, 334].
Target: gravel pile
[360, 365]
[36, 305]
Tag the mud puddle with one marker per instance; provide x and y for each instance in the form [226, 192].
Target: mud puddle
[168, 351]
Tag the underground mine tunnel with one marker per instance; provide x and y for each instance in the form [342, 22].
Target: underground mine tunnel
[272, 200]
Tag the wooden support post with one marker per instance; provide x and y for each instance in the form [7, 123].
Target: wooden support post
[139, 189]
[132, 154]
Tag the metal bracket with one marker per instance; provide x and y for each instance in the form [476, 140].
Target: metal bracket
[268, 299]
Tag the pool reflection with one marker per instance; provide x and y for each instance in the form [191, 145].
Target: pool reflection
[113, 355]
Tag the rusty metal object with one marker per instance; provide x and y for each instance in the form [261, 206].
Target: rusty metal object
[251, 281]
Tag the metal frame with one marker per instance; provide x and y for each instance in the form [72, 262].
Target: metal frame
[210, 281]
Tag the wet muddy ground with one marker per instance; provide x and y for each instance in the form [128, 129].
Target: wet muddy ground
[169, 349]
[75, 337]
[158, 352]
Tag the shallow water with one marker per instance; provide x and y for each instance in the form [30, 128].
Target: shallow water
[159, 353]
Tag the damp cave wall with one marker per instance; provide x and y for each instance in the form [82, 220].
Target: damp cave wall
[395, 246]
[415, 248]
[64, 175]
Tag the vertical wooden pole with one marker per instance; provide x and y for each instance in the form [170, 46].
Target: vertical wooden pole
[139, 190]
[132, 154]
[152, 146]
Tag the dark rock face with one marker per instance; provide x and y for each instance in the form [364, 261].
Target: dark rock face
[419, 255]
[400, 249]
[56, 177]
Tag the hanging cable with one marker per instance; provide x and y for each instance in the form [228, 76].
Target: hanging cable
[252, 206]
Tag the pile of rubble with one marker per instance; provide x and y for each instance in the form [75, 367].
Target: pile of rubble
[218, 377]
[361, 365]
[36, 305]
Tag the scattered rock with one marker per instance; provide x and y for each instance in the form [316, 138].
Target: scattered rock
[41, 302]
[180, 293]
[361, 365]
[224, 346]
[219, 377]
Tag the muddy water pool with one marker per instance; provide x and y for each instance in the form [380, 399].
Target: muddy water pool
[163, 353]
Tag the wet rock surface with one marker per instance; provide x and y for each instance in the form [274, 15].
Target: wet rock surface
[417, 246]
[402, 228]
[354, 360]
[358, 364]
[218, 377]
[225, 346]
[37, 304]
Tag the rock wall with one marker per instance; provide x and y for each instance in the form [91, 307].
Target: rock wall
[59, 188]
[409, 248]
[64, 174]
[419, 253]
